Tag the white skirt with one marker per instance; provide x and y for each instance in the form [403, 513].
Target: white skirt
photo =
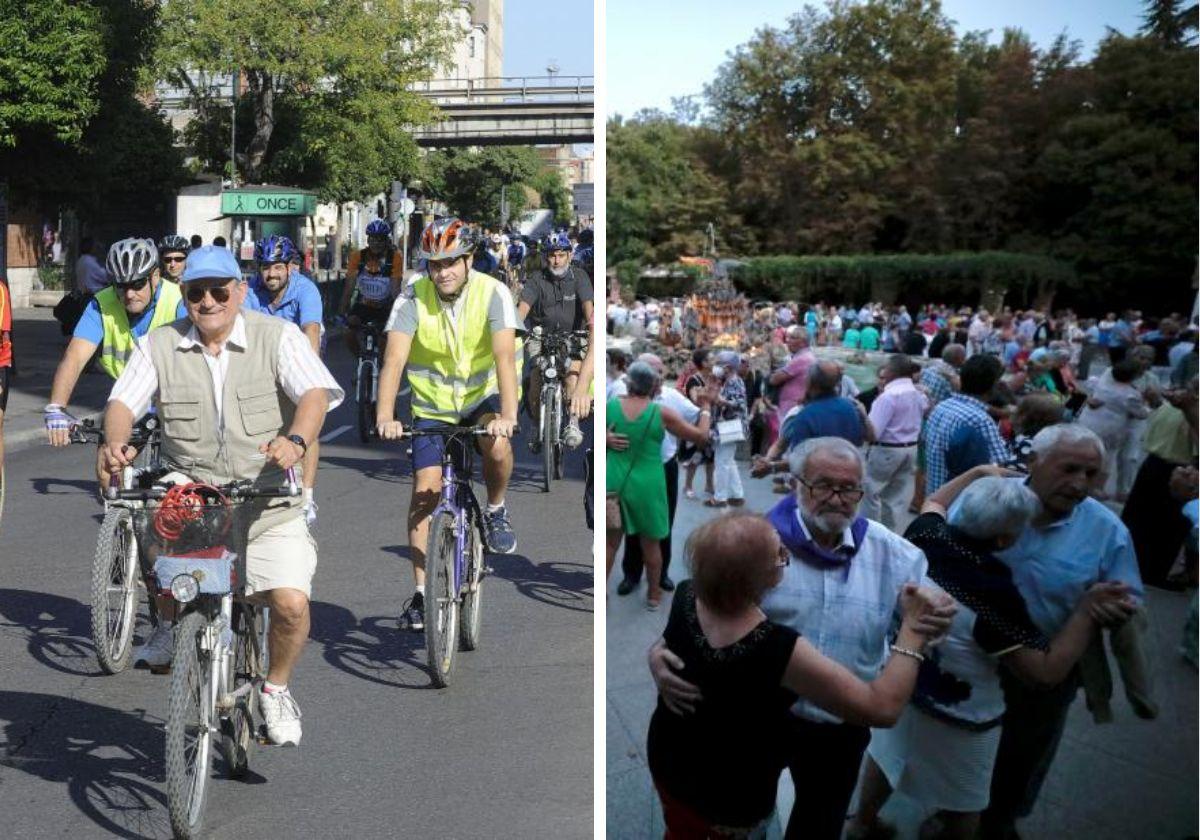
[941, 766]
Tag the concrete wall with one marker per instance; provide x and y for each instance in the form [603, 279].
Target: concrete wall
[195, 209]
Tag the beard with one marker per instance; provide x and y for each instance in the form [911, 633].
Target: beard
[828, 522]
[560, 272]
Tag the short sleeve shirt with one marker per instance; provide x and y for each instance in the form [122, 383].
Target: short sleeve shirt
[557, 303]
[90, 326]
[301, 302]
[502, 315]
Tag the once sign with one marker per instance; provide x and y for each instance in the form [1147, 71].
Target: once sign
[248, 203]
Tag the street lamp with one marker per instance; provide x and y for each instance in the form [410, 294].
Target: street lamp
[552, 70]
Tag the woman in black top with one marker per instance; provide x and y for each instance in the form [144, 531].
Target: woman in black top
[716, 769]
[691, 455]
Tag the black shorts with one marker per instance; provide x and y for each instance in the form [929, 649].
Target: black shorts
[377, 315]
[4, 377]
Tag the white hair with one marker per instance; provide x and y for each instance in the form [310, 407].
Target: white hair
[1065, 434]
[836, 447]
[994, 507]
[641, 379]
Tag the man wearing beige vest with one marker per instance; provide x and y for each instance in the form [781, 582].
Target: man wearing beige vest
[242, 396]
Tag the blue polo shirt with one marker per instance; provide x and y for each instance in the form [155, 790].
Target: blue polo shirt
[825, 417]
[1053, 566]
[301, 302]
[90, 326]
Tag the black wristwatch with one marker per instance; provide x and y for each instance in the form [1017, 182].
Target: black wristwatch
[299, 441]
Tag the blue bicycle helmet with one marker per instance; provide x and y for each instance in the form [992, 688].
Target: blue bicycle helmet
[274, 249]
[379, 227]
[586, 237]
[556, 241]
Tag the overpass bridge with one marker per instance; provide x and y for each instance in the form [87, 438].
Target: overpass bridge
[492, 111]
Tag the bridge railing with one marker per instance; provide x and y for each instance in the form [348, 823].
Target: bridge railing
[493, 89]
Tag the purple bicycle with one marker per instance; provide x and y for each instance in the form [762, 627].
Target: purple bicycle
[454, 569]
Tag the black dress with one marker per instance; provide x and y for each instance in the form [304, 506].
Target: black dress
[724, 759]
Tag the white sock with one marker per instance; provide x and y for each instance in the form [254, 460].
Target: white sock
[491, 508]
[421, 589]
[308, 494]
[270, 687]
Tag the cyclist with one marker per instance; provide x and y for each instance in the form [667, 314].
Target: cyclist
[585, 255]
[5, 359]
[454, 331]
[285, 293]
[263, 406]
[376, 273]
[173, 251]
[556, 298]
[134, 302]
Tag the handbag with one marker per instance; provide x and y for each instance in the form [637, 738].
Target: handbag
[731, 431]
[612, 499]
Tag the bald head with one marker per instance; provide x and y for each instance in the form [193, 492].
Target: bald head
[654, 361]
[824, 379]
[954, 354]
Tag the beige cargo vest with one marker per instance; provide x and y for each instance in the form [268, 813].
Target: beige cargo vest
[256, 410]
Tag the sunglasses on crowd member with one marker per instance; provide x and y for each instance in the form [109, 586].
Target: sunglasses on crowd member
[220, 294]
[132, 286]
[174, 259]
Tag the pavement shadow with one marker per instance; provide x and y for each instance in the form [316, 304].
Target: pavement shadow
[111, 761]
[58, 630]
[42, 486]
[557, 583]
[392, 470]
[373, 648]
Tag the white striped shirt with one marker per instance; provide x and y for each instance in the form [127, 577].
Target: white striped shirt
[300, 370]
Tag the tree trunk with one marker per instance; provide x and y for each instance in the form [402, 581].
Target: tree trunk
[263, 92]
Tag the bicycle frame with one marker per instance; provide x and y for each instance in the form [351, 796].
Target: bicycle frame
[368, 359]
[458, 500]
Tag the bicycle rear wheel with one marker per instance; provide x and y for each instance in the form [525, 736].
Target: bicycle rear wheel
[441, 605]
[114, 591]
[365, 400]
[471, 621]
[189, 727]
[547, 432]
[556, 423]
[244, 667]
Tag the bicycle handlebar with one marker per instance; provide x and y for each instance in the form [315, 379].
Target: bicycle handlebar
[237, 491]
[89, 432]
[448, 431]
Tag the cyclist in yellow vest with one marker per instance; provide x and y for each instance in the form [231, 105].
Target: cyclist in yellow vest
[134, 302]
[454, 331]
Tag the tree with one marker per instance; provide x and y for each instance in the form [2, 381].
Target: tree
[336, 73]
[469, 181]
[1170, 22]
[554, 194]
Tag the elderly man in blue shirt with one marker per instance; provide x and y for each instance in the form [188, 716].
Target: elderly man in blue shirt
[1072, 543]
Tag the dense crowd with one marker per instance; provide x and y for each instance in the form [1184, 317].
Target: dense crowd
[957, 543]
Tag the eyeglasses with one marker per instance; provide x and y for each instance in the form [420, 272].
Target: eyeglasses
[785, 556]
[220, 294]
[825, 492]
[174, 259]
[133, 286]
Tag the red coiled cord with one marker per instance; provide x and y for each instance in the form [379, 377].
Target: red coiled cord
[184, 504]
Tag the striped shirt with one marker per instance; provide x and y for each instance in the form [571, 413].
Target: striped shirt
[953, 414]
[299, 369]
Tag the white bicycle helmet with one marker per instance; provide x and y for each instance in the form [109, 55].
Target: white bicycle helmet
[130, 260]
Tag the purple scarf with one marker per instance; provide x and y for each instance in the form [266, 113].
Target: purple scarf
[784, 518]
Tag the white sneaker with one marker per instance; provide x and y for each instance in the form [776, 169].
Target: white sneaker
[572, 436]
[282, 716]
[310, 513]
[156, 652]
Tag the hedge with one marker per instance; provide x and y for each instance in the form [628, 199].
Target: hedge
[883, 277]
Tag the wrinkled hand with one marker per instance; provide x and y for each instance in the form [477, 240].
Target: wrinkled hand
[501, 427]
[616, 442]
[927, 611]
[760, 467]
[581, 403]
[705, 397]
[279, 450]
[677, 694]
[115, 457]
[1109, 603]
[389, 429]
[58, 425]
[996, 471]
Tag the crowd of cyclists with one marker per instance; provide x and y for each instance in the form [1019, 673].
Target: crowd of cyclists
[233, 367]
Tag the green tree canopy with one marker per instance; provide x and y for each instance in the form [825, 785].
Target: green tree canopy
[469, 180]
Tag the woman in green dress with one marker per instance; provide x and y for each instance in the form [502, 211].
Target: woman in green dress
[636, 425]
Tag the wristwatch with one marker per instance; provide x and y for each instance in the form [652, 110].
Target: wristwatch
[299, 441]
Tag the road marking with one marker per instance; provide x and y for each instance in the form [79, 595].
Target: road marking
[338, 432]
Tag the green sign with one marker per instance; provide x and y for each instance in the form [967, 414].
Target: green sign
[250, 203]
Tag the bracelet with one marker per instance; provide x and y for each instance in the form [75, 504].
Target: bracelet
[903, 651]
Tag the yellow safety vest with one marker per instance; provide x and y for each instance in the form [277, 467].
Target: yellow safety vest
[117, 344]
[451, 368]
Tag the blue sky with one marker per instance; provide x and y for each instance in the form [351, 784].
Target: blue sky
[536, 31]
[663, 48]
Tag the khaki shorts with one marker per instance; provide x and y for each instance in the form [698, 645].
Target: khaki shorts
[282, 557]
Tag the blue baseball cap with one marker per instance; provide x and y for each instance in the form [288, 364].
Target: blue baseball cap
[211, 262]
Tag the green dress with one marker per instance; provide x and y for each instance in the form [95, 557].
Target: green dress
[643, 494]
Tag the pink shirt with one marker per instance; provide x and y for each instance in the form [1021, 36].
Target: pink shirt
[896, 413]
[792, 392]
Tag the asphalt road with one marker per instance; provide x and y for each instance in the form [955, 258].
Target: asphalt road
[505, 751]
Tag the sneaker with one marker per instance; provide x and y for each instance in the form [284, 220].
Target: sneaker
[572, 436]
[412, 615]
[282, 717]
[155, 654]
[500, 536]
[667, 585]
[310, 513]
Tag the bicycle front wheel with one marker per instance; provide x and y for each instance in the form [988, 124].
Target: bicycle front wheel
[548, 437]
[556, 423]
[114, 591]
[472, 597]
[365, 399]
[189, 727]
[441, 604]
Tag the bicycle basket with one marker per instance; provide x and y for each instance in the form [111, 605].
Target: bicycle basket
[193, 533]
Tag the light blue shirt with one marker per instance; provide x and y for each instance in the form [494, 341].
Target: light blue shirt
[90, 326]
[847, 617]
[1053, 566]
[301, 302]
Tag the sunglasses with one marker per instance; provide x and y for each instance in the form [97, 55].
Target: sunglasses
[174, 259]
[220, 294]
[135, 286]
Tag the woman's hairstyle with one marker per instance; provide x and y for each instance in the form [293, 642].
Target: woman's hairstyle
[1037, 411]
[641, 379]
[700, 356]
[733, 561]
[993, 507]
